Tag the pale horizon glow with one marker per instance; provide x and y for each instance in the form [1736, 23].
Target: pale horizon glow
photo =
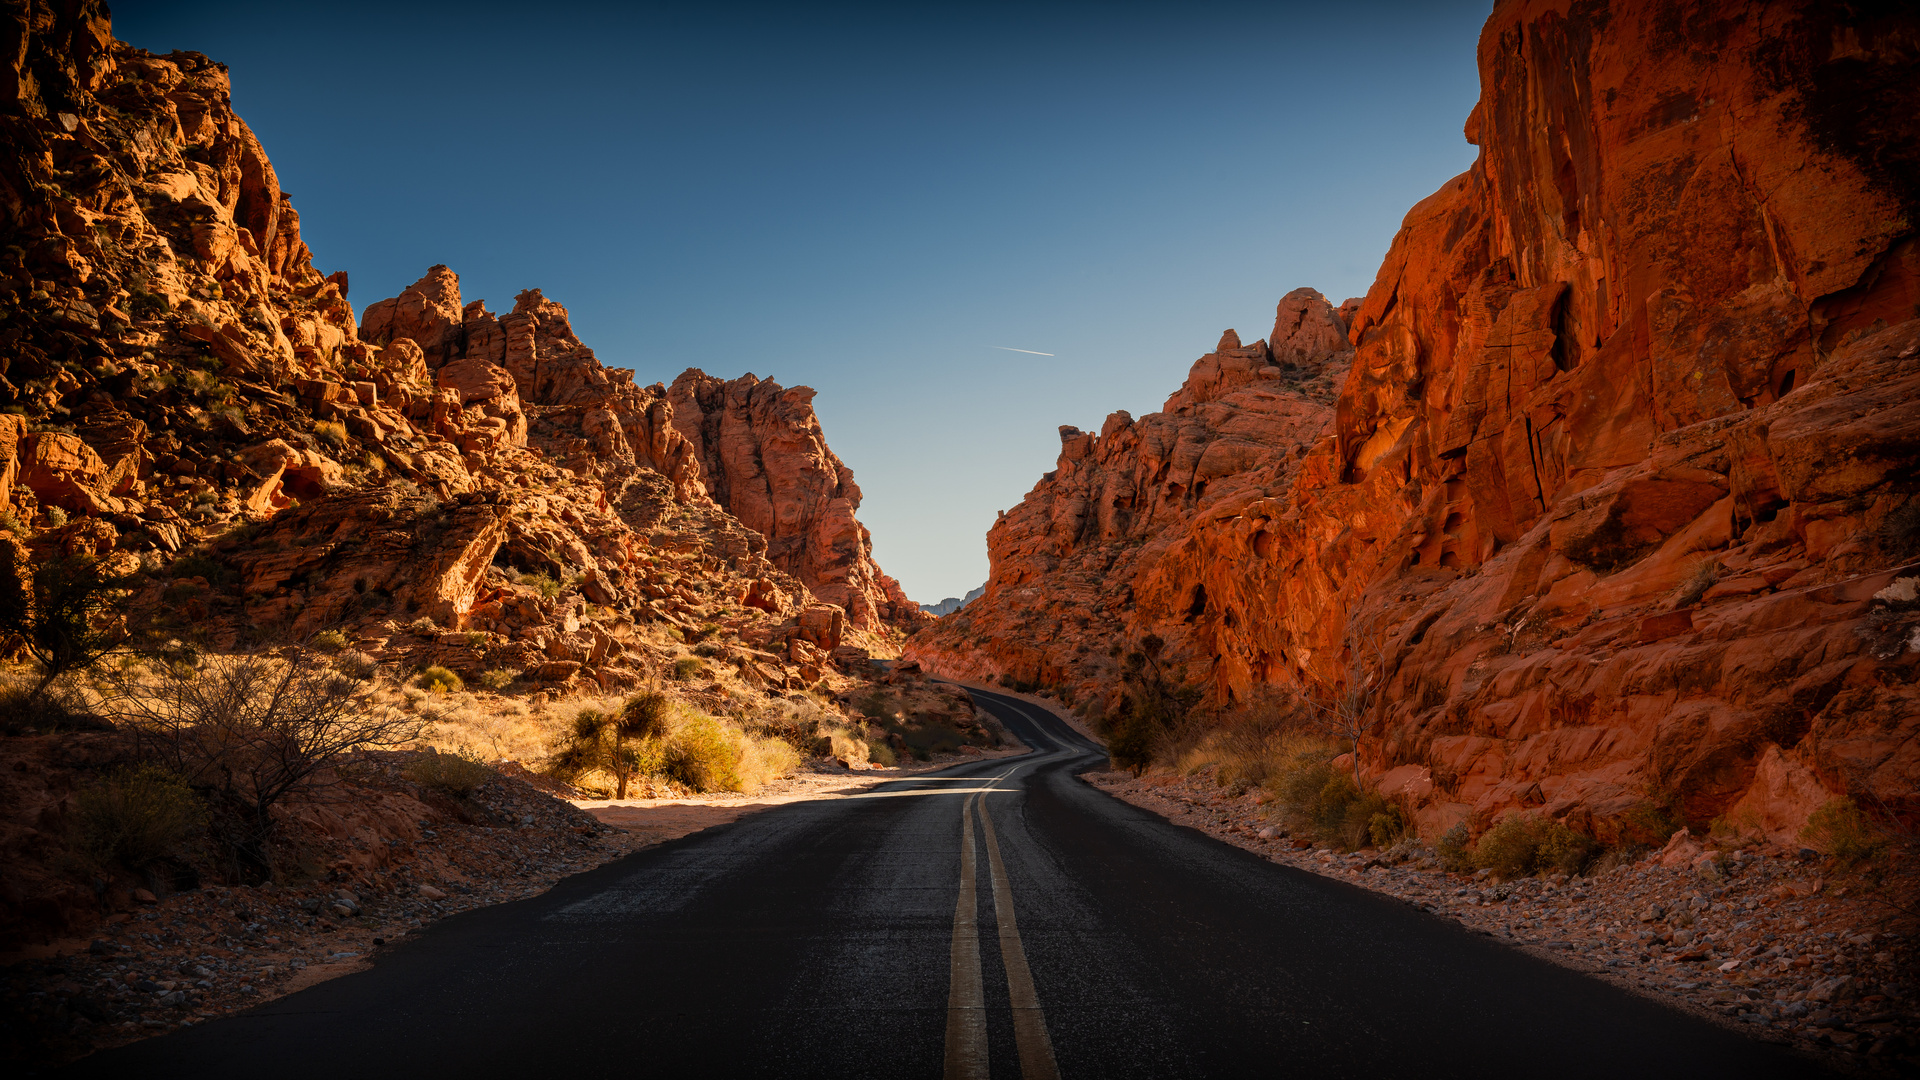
[1029, 352]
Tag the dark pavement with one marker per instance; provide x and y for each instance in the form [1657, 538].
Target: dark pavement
[830, 939]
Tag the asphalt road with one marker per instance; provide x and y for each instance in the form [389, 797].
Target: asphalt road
[835, 939]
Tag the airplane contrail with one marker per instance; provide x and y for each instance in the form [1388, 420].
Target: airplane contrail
[1029, 352]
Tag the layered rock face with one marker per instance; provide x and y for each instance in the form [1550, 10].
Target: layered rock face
[444, 484]
[764, 458]
[1617, 502]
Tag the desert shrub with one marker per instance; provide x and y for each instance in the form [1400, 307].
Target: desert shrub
[1385, 824]
[800, 724]
[1523, 844]
[56, 708]
[843, 745]
[497, 679]
[1130, 739]
[61, 612]
[687, 668]
[424, 626]
[1647, 823]
[701, 756]
[459, 772]
[330, 641]
[1841, 829]
[881, 754]
[251, 728]
[1899, 534]
[356, 665]
[136, 816]
[646, 715]
[709, 650]
[544, 584]
[331, 432]
[1699, 579]
[1454, 849]
[438, 680]
[765, 760]
[55, 516]
[476, 639]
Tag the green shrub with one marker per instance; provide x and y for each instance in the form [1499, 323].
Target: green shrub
[55, 516]
[330, 641]
[1648, 823]
[881, 754]
[687, 668]
[331, 432]
[459, 772]
[1523, 844]
[1841, 829]
[136, 816]
[438, 680]
[497, 679]
[477, 639]
[1454, 849]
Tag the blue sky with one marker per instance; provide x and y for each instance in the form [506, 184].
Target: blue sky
[865, 200]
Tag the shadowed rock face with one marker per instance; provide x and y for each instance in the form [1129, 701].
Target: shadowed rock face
[1603, 507]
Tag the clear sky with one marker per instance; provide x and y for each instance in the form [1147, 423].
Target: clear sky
[865, 199]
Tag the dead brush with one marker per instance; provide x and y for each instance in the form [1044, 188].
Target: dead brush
[1701, 576]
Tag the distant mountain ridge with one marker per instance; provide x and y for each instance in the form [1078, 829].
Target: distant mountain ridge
[953, 603]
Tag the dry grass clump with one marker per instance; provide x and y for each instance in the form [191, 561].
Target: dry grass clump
[459, 772]
[1700, 577]
[438, 680]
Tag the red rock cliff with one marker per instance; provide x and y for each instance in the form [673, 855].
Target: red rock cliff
[764, 458]
[474, 490]
[1617, 502]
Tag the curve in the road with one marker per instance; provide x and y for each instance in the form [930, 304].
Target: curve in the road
[844, 939]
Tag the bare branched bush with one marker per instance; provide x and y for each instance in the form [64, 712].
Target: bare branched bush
[249, 729]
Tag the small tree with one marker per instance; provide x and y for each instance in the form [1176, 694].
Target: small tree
[1344, 712]
[625, 745]
[62, 609]
[1155, 705]
[250, 729]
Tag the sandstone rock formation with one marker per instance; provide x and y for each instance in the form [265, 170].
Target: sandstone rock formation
[442, 485]
[1616, 505]
[763, 457]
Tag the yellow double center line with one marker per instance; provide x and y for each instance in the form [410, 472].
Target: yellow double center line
[966, 998]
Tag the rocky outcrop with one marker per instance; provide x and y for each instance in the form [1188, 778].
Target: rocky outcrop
[764, 458]
[1616, 502]
[441, 485]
